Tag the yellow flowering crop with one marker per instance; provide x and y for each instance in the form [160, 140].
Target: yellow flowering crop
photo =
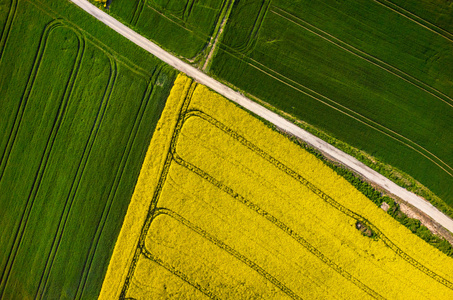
[226, 208]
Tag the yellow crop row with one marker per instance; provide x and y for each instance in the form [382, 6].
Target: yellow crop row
[243, 213]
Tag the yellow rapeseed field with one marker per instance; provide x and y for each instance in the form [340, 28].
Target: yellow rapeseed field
[226, 208]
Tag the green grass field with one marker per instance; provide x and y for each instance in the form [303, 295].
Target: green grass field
[359, 70]
[182, 27]
[76, 120]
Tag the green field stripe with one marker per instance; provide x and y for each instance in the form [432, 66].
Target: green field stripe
[363, 55]
[255, 149]
[230, 250]
[177, 273]
[345, 110]
[416, 19]
[26, 95]
[157, 192]
[74, 187]
[43, 163]
[7, 28]
[118, 176]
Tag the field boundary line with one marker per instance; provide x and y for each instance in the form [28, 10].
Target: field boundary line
[50, 141]
[368, 57]
[329, 200]
[250, 62]
[353, 112]
[148, 255]
[146, 99]
[347, 114]
[230, 250]
[216, 36]
[431, 27]
[79, 173]
[187, 94]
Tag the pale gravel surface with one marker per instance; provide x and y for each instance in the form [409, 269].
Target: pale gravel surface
[272, 117]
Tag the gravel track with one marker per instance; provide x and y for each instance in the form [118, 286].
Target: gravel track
[270, 116]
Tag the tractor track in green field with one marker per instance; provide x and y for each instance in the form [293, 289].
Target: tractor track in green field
[93, 40]
[25, 97]
[74, 187]
[250, 43]
[363, 55]
[346, 111]
[170, 16]
[177, 15]
[7, 28]
[188, 9]
[50, 141]
[137, 12]
[416, 19]
[84, 158]
[119, 174]
[211, 40]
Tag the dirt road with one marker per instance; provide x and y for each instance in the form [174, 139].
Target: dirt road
[272, 117]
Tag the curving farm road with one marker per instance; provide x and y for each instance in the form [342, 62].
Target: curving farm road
[272, 117]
